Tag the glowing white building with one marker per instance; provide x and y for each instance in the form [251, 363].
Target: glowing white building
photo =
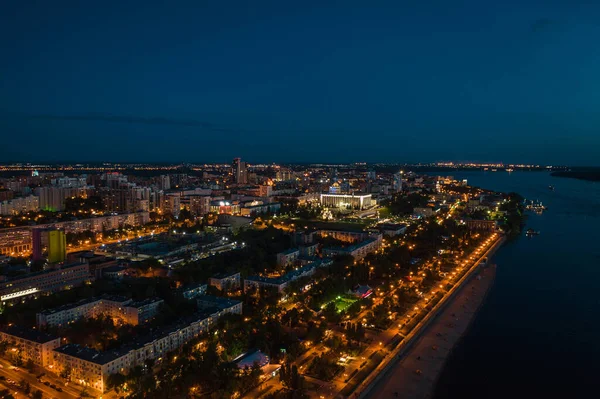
[352, 201]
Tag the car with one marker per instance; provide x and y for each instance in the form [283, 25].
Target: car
[59, 389]
[52, 386]
[3, 378]
[46, 383]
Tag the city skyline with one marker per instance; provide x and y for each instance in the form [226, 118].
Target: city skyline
[513, 83]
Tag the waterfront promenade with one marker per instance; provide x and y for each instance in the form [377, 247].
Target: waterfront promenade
[388, 364]
[415, 376]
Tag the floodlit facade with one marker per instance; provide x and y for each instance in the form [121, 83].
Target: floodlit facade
[353, 201]
[57, 246]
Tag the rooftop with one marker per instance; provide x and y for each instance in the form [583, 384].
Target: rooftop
[250, 358]
[41, 273]
[89, 354]
[393, 225]
[354, 247]
[145, 302]
[83, 302]
[220, 302]
[113, 269]
[223, 275]
[290, 276]
[289, 251]
[191, 286]
[30, 334]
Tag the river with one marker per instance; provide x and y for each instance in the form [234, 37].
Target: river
[537, 335]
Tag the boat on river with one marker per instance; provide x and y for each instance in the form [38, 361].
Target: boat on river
[535, 206]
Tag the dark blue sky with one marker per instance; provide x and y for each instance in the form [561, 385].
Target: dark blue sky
[512, 81]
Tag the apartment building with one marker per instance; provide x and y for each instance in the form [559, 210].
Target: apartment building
[47, 281]
[112, 306]
[226, 281]
[357, 251]
[191, 291]
[142, 311]
[287, 257]
[220, 304]
[344, 235]
[89, 367]
[30, 344]
[279, 283]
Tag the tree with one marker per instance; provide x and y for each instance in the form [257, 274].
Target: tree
[25, 386]
[290, 377]
[324, 368]
[316, 331]
[116, 381]
[29, 365]
[3, 347]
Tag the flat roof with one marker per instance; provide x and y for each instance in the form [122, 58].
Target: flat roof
[144, 302]
[288, 276]
[89, 354]
[220, 302]
[114, 298]
[223, 275]
[353, 247]
[30, 334]
[250, 358]
[113, 269]
[191, 286]
[289, 251]
[393, 225]
[64, 267]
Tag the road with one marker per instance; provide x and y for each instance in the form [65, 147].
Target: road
[48, 392]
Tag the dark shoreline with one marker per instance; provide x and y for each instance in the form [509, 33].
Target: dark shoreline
[578, 176]
[587, 174]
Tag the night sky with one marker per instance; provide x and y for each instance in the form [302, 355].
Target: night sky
[204, 81]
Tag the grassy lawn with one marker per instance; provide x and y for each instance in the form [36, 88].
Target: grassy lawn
[342, 303]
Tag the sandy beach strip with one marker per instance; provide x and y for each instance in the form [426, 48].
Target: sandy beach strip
[415, 376]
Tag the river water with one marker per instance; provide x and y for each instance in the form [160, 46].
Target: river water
[538, 333]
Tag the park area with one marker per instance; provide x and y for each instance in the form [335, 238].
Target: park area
[342, 303]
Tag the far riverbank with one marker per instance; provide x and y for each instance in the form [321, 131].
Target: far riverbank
[589, 174]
